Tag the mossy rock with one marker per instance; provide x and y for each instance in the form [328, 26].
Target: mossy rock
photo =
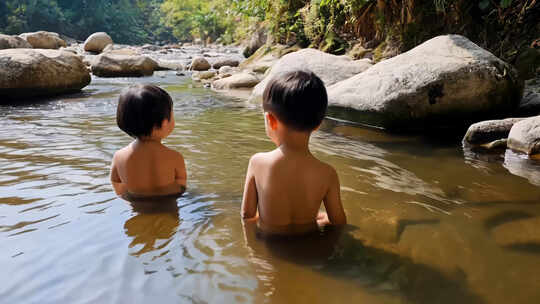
[334, 44]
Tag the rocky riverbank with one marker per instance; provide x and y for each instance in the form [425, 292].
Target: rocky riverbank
[446, 82]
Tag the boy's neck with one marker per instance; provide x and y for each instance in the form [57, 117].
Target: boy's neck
[294, 142]
[149, 139]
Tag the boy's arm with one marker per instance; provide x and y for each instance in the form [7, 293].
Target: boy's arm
[119, 187]
[332, 202]
[180, 175]
[250, 198]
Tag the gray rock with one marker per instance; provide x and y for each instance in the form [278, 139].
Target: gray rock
[488, 131]
[106, 65]
[35, 73]
[170, 65]
[530, 103]
[206, 74]
[44, 40]
[225, 62]
[525, 136]
[13, 42]
[199, 64]
[241, 80]
[330, 68]
[97, 42]
[445, 81]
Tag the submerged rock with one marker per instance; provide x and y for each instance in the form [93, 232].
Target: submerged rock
[237, 81]
[97, 42]
[44, 40]
[525, 136]
[490, 131]
[200, 64]
[13, 42]
[106, 65]
[35, 73]
[519, 234]
[446, 81]
[330, 68]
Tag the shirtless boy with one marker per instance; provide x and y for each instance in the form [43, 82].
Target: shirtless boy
[284, 188]
[146, 167]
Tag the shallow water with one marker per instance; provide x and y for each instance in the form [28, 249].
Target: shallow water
[429, 221]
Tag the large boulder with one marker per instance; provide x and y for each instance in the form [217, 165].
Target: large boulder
[446, 81]
[199, 63]
[330, 68]
[485, 132]
[13, 42]
[237, 81]
[33, 73]
[525, 136]
[44, 40]
[106, 65]
[97, 42]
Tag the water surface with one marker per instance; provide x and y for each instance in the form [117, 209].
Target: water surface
[430, 222]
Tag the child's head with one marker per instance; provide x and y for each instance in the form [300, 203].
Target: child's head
[297, 99]
[142, 109]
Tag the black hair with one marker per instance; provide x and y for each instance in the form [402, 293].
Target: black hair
[141, 108]
[297, 98]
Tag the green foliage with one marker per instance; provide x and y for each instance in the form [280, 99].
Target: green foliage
[127, 21]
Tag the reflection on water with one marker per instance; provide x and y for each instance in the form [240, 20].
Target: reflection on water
[431, 222]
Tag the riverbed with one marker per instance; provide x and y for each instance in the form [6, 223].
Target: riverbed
[428, 220]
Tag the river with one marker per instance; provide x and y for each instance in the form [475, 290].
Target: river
[430, 221]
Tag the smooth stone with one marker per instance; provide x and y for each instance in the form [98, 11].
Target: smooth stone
[199, 64]
[518, 234]
[225, 62]
[445, 82]
[330, 68]
[97, 42]
[44, 40]
[39, 73]
[106, 65]
[170, 65]
[525, 136]
[13, 42]
[236, 81]
[488, 131]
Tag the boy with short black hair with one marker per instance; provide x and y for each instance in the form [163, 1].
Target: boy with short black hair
[146, 167]
[284, 188]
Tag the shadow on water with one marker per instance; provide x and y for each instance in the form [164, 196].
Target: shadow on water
[338, 254]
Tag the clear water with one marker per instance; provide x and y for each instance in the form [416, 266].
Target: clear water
[429, 222]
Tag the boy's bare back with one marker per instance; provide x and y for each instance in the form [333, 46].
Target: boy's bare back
[290, 188]
[149, 168]
[284, 188]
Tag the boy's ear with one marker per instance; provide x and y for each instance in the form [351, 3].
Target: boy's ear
[272, 120]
